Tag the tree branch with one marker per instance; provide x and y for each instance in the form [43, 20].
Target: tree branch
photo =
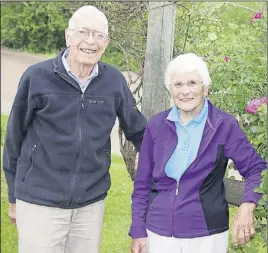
[242, 6]
[128, 72]
[133, 15]
[140, 84]
[163, 5]
[187, 30]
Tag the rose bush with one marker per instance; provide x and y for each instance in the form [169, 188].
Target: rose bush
[254, 104]
[254, 123]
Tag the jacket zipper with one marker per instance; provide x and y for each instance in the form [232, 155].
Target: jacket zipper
[177, 188]
[32, 161]
[82, 99]
[176, 193]
[173, 206]
[173, 209]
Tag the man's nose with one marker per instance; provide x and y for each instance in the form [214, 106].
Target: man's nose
[90, 39]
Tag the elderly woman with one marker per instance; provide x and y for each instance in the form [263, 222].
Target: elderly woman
[185, 152]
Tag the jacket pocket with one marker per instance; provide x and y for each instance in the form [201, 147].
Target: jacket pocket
[107, 154]
[27, 172]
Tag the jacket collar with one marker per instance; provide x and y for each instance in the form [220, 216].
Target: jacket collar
[214, 118]
[94, 72]
[174, 114]
[59, 67]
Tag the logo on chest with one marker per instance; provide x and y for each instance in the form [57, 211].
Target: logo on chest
[96, 101]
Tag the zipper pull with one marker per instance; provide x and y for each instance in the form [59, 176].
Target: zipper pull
[177, 189]
[82, 100]
[34, 147]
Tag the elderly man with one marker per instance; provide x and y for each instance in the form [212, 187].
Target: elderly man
[185, 151]
[57, 149]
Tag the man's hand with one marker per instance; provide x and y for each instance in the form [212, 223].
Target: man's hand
[139, 245]
[12, 213]
[243, 224]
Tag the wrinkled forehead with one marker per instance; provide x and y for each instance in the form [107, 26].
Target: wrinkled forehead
[186, 76]
[92, 21]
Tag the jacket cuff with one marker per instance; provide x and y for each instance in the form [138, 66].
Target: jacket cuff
[137, 232]
[11, 199]
[252, 197]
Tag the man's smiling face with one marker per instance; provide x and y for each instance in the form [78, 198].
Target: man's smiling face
[88, 39]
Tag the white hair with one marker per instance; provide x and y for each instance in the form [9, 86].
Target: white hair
[187, 63]
[85, 12]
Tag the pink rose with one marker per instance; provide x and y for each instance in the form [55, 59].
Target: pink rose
[227, 58]
[254, 104]
[256, 16]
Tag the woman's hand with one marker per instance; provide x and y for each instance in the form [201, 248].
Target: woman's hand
[138, 245]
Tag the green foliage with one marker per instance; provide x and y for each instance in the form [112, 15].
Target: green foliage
[39, 27]
[255, 125]
[218, 30]
[36, 27]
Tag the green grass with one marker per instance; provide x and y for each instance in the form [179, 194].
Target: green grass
[4, 119]
[117, 210]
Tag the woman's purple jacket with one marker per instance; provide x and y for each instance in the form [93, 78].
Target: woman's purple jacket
[197, 205]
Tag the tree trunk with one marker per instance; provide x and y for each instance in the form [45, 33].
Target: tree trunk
[129, 154]
[159, 52]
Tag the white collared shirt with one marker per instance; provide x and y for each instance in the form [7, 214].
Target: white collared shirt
[82, 83]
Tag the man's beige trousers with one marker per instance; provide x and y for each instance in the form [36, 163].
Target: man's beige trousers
[53, 230]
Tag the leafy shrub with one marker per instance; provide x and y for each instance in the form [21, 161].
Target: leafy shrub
[254, 123]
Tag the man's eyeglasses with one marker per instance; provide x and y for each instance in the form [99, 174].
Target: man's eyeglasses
[83, 34]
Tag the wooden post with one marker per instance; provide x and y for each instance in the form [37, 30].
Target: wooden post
[159, 52]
